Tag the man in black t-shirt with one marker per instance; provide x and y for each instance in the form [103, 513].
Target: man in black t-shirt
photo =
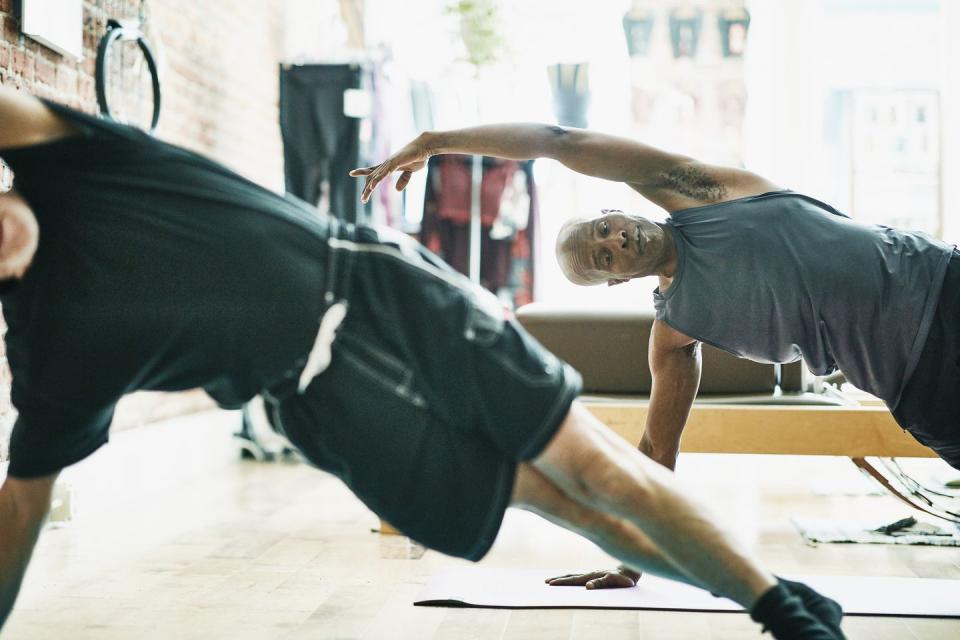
[132, 264]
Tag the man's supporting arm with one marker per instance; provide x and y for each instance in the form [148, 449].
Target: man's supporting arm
[675, 368]
[23, 506]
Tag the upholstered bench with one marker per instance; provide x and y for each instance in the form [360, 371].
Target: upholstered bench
[742, 406]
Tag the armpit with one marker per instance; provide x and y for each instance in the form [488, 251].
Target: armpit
[691, 181]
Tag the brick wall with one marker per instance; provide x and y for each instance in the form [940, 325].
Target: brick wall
[218, 70]
[218, 73]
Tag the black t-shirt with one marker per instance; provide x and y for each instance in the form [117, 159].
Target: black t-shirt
[156, 269]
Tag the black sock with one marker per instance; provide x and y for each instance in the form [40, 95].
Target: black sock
[783, 614]
[827, 610]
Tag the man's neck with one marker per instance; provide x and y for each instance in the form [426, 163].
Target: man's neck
[667, 266]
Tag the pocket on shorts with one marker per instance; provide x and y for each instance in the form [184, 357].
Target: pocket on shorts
[380, 368]
[363, 407]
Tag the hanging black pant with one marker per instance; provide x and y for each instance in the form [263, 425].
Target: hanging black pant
[570, 86]
[320, 143]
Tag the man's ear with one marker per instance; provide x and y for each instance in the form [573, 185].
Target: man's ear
[614, 281]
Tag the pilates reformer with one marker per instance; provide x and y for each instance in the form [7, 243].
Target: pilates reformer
[742, 406]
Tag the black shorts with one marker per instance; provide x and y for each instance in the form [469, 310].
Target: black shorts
[929, 406]
[431, 398]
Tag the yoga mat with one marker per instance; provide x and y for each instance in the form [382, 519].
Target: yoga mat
[814, 530]
[525, 589]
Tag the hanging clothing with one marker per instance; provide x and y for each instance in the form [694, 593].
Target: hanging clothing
[570, 86]
[638, 29]
[455, 195]
[685, 26]
[320, 143]
[506, 248]
[393, 119]
[522, 277]
[733, 27]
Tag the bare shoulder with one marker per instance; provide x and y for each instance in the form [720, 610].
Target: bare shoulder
[25, 120]
[691, 183]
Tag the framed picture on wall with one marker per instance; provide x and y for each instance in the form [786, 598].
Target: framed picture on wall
[895, 158]
[57, 24]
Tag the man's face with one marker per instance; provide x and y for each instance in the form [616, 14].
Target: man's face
[613, 247]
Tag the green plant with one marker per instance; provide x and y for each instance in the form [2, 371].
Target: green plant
[478, 29]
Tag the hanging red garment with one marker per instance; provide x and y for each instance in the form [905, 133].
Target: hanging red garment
[506, 265]
[456, 178]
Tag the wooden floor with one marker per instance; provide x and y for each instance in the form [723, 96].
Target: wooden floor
[175, 538]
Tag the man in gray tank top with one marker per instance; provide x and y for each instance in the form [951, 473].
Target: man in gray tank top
[772, 276]
[751, 268]
[757, 270]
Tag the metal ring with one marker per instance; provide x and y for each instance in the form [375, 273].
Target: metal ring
[125, 31]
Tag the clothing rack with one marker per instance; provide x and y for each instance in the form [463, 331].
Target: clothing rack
[476, 183]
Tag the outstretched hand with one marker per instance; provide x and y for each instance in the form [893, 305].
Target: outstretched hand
[410, 158]
[621, 578]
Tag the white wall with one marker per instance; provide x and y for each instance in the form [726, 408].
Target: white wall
[947, 69]
[801, 51]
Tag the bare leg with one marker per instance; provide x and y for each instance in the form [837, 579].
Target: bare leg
[621, 539]
[606, 474]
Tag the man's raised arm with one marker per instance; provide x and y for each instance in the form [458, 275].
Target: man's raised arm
[669, 180]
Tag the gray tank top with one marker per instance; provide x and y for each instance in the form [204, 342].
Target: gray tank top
[778, 276]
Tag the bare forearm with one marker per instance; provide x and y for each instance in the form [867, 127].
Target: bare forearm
[514, 141]
[675, 384]
[666, 418]
[587, 152]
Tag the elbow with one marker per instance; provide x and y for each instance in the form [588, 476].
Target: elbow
[692, 350]
[666, 361]
[557, 141]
